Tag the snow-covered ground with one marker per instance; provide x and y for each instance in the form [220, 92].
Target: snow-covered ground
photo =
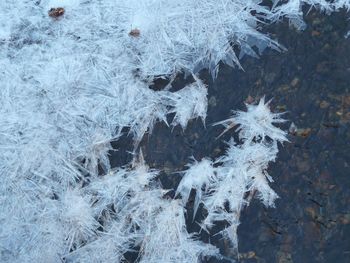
[69, 84]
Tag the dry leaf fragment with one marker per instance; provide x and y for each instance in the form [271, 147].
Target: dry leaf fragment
[249, 100]
[304, 132]
[135, 32]
[56, 12]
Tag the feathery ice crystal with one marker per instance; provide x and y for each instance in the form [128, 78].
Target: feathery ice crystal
[257, 123]
[233, 178]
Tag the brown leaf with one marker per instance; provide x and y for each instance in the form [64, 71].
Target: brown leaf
[135, 32]
[56, 12]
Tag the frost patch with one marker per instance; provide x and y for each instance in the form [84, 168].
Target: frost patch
[70, 83]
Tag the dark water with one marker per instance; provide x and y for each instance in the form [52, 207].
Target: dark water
[311, 81]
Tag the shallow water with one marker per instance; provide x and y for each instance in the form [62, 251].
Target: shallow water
[311, 80]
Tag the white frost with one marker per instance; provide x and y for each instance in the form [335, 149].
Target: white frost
[240, 173]
[68, 88]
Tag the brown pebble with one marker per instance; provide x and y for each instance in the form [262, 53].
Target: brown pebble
[281, 108]
[324, 104]
[311, 212]
[248, 255]
[249, 100]
[303, 132]
[56, 12]
[135, 32]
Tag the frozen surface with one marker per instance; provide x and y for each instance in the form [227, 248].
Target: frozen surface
[70, 84]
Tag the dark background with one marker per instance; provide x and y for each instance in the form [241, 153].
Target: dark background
[311, 80]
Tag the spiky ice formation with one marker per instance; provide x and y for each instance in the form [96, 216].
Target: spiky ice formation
[70, 84]
[226, 185]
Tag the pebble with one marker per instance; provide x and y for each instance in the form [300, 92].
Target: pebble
[324, 104]
[56, 12]
[135, 32]
[304, 132]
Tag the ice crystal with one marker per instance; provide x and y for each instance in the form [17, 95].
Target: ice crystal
[242, 170]
[257, 123]
[73, 83]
